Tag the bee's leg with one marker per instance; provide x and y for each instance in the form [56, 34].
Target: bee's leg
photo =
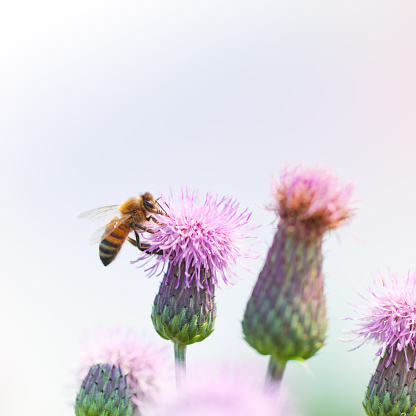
[138, 245]
[144, 228]
[143, 247]
[136, 242]
[132, 241]
[153, 219]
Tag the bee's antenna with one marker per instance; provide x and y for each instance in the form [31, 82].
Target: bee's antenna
[160, 206]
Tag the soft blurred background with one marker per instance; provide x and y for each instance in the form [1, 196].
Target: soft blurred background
[103, 100]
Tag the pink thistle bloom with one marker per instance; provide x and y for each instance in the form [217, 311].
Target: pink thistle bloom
[224, 393]
[389, 316]
[144, 365]
[312, 196]
[200, 237]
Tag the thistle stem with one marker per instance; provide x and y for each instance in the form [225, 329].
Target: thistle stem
[275, 369]
[180, 362]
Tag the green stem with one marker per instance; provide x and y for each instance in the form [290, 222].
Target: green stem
[180, 362]
[275, 369]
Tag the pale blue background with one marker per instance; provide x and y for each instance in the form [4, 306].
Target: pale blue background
[102, 100]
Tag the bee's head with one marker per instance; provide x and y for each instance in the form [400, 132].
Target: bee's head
[151, 205]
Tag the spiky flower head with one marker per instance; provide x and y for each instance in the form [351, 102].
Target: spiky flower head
[104, 392]
[388, 317]
[312, 196]
[286, 313]
[223, 393]
[200, 243]
[198, 237]
[144, 365]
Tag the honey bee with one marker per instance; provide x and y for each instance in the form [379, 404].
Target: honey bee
[134, 213]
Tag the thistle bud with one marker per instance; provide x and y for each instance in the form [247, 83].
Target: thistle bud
[286, 313]
[104, 392]
[182, 314]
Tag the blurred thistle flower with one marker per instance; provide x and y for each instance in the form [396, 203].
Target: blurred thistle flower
[198, 244]
[312, 198]
[224, 393]
[144, 365]
[286, 314]
[104, 392]
[389, 318]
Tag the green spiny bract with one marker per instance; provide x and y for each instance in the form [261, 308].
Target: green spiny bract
[182, 314]
[104, 392]
[392, 388]
[286, 314]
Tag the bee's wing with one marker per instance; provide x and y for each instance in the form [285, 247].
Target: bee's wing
[102, 214]
[105, 231]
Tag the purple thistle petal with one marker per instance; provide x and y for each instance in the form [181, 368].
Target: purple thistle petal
[389, 315]
[205, 236]
[227, 392]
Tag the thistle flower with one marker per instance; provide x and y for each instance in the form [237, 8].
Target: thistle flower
[104, 392]
[286, 314]
[224, 393]
[200, 238]
[388, 318]
[198, 244]
[312, 198]
[143, 365]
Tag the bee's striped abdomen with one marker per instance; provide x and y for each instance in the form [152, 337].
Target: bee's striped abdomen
[111, 245]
